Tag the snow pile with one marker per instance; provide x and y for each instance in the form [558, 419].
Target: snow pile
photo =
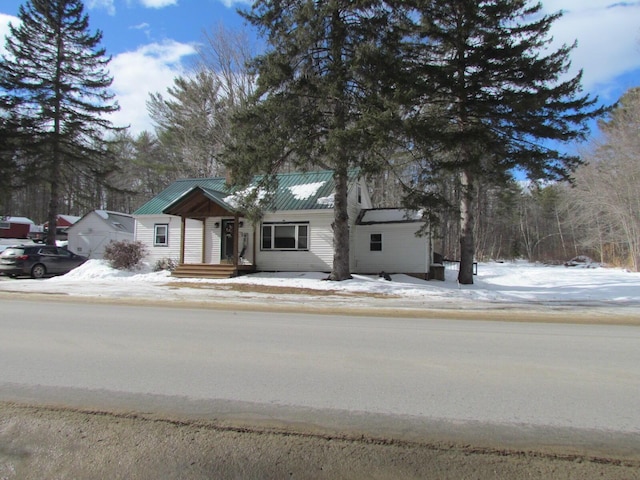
[100, 269]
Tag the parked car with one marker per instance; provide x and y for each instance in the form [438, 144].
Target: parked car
[38, 260]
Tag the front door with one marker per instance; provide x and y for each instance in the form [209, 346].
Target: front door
[226, 245]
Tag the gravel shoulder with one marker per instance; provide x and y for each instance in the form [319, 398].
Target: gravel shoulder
[38, 443]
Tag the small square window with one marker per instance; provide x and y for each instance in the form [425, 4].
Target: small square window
[161, 235]
[375, 242]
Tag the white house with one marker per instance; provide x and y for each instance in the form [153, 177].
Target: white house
[89, 235]
[198, 224]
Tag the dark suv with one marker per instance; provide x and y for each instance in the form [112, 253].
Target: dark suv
[38, 260]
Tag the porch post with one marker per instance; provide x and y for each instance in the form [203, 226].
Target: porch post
[236, 240]
[204, 240]
[255, 245]
[183, 229]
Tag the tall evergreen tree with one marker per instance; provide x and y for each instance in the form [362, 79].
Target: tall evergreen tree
[318, 102]
[54, 79]
[495, 96]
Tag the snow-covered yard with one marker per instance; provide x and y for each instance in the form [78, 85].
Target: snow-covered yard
[497, 284]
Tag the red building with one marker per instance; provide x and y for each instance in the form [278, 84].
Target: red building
[15, 227]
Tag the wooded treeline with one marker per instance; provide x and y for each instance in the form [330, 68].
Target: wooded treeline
[552, 221]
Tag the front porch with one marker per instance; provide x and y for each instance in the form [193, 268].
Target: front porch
[208, 270]
[220, 255]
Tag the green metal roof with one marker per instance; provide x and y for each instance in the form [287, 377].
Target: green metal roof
[296, 191]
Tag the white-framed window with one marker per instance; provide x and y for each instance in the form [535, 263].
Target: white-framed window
[285, 236]
[359, 194]
[161, 235]
[375, 242]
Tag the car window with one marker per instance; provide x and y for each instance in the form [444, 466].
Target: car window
[48, 251]
[64, 253]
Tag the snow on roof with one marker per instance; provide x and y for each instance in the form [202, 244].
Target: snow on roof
[105, 214]
[389, 215]
[69, 218]
[305, 191]
[235, 199]
[19, 220]
[330, 200]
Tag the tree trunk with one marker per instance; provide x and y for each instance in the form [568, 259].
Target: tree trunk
[54, 198]
[341, 270]
[465, 275]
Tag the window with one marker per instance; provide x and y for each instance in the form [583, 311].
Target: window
[5, 225]
[375, 242]
[161, 235]
[285, 236]
[359, 194]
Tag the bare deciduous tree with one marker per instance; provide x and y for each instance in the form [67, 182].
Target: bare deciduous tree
[606, 198]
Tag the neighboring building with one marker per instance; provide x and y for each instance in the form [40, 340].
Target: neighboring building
[196, 222]
[89, 235]
[15, 227]
[63, 222]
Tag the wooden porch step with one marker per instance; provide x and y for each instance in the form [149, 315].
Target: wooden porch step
[206, 270]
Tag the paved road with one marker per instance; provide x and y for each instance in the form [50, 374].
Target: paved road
[319, 369]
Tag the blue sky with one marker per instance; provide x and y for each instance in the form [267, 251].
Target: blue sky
[153, 41]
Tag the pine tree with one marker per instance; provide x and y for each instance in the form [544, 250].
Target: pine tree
[490, 93]
[54, 79]
[318, 102]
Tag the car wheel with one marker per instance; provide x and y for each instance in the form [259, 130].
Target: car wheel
[38, 271]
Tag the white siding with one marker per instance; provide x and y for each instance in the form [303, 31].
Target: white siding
[193, 238]
[402, 251]
[319, 257]
[91, 234]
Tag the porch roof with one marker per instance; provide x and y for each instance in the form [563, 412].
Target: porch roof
[200, 202]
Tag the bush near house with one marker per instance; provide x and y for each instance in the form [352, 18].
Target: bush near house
[125, 255]
[165, 263]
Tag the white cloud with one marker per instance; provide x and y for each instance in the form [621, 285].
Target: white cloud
[107, 5]
[150, 69]
[231, 3]
[158, 3]
[608, 35]
[4, 28]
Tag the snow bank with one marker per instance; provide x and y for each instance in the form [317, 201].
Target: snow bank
[513, 282]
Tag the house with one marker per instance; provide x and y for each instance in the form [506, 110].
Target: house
[89, 235]
[197, 223]
[63, 222]
[15, 227]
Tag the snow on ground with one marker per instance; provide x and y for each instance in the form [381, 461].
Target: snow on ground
[496, 283]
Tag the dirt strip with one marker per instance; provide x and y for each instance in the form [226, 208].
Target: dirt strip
[37, 443]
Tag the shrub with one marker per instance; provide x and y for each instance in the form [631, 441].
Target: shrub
[165, 264]
[125, 255]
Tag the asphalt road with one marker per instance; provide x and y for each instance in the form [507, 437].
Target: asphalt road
[493, 382]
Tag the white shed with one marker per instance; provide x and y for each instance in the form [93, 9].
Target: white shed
[89, 235]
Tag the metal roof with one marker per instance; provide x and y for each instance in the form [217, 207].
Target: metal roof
[295, 191]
